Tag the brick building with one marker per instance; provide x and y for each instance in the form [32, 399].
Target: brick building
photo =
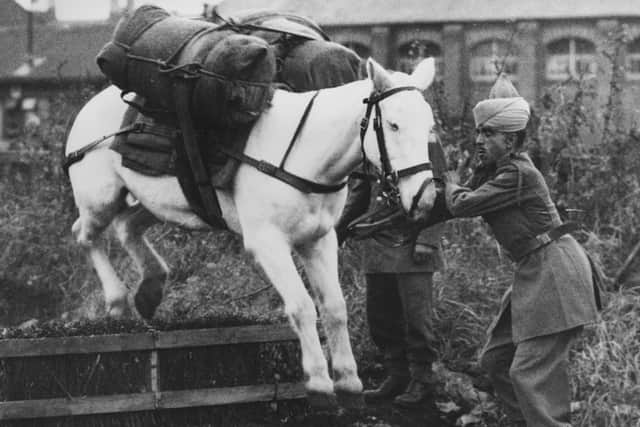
[539, 42]
[42, 59]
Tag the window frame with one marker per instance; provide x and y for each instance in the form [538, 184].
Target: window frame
[632, 56]
[573, 58]
[495, 45]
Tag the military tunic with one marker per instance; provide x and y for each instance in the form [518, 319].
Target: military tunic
[399, 289]
[553, 289]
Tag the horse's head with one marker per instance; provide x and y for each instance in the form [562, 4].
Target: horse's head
[398, 146]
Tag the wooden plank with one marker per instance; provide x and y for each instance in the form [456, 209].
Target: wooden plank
[145, 341]
[46, 408]
[231, 335]
[75, 345]
[230, 395]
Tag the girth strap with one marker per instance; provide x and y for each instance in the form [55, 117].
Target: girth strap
[189, 147]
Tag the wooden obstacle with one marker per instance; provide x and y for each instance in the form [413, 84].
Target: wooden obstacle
[143, 356]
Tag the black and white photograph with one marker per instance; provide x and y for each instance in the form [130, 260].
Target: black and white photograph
[319, 213]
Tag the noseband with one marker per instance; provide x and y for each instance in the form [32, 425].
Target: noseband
[389, 175]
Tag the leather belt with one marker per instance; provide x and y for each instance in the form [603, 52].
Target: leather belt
[522, 249]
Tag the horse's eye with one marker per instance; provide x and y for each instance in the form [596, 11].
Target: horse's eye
[394, 126]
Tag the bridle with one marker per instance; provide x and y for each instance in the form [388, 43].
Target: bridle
[390, 177]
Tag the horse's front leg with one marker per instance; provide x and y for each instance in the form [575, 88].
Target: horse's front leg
[272, 251]
[320, 259]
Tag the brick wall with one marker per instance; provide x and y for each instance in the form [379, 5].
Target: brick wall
[530, 39]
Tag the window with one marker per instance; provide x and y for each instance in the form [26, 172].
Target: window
[571, 58]
[490, 58]
[633, 59]
[411, 53]
[360, 49]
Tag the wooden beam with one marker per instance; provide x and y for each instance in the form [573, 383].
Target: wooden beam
[30, 347]
[233, 335]
[21, 347]
[46, 408]
[230, 395]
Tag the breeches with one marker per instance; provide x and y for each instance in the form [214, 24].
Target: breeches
[399, 313]
[531, 378]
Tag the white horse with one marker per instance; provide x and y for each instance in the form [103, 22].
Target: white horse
[273, 217]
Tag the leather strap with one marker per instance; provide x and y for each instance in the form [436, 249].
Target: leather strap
[301, 184]
[190, 148]
[543, 239]
[76, 156]
[373, 103]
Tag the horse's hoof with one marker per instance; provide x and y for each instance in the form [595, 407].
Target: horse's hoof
[350, 400]
[322, 401]
[117, 310]
[146, 306]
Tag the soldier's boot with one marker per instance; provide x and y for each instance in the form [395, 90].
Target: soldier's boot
[392, 386]
[416, 393]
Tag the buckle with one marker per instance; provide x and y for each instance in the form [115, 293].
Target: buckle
[544, 238]
[266, 167]
[392, 177]
[364, 124]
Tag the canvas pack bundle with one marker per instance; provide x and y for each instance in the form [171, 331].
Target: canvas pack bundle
[232, 72]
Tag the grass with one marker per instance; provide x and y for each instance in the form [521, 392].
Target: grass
[45, 276]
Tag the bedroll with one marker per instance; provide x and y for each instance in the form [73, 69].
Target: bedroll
[232, 73]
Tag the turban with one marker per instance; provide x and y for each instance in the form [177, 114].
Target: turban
[505, 110]
[502, 114]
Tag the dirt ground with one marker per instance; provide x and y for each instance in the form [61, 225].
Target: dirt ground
[380, 414]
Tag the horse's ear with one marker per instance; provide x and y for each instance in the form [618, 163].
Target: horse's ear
[424, 73]
[378, 75]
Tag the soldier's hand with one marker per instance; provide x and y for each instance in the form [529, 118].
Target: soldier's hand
[451, 177]
[422, 253]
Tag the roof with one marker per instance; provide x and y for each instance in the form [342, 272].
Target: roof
[356, 12]
[60, 52]
[67, 52]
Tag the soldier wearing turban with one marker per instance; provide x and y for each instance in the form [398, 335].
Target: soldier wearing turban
[553, 294]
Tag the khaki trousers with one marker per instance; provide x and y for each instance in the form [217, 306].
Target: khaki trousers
[531, 378]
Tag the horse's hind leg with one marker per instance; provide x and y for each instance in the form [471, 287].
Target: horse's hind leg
[273, 253]
[320, 261]
[129, 227]
[93, 219]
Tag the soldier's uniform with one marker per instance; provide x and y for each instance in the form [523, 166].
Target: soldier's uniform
[399, 294]
[399, 291]
[552, 296]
